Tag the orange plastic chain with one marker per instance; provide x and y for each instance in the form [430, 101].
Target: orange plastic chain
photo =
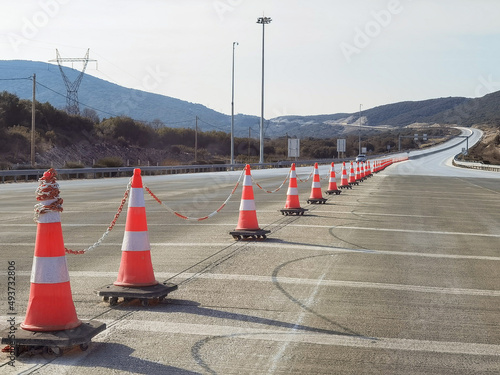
[109, 229]
[278, 188]
[195, 218]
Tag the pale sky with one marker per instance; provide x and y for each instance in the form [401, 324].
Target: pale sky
[321, 56]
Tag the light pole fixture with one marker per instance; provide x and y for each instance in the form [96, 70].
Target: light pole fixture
[263, 21]
[232, 110]
[359, 129]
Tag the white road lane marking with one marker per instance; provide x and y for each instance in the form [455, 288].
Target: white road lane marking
[416, 231]
[295, 281]
[162, 327]
[301, 247]
[278, 356]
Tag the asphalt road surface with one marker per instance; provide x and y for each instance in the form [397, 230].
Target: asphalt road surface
[397, 276]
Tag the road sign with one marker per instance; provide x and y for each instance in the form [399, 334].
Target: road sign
[293, 147]
[341, 145]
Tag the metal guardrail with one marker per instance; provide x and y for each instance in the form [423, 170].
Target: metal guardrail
[68, 173]
[475, 165]
[35, 174]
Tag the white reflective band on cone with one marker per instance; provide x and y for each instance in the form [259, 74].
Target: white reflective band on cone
[316, 184]
[247, 180]
[136, 241]
[293, 174]
[136, 198]
[292, 191]
[49, 270]
[247, 205]
[49, 217]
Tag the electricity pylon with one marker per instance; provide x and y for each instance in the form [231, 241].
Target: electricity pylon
[72, 106]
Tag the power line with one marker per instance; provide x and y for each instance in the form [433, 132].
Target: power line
[38, 83]
[79, 103]
[15, 79]
[212, 125]
[106, 112]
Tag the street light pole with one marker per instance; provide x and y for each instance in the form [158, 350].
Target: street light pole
[33, 161]
[263, 21]
[359, 129]
[232, 110]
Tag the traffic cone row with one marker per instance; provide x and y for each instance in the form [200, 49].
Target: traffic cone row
[50, 305]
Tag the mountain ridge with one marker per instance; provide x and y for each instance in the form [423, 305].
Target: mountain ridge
[95, 93]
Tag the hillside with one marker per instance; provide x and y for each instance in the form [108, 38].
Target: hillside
[111, 100]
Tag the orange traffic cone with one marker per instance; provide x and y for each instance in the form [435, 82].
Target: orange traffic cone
[332, 182]
[367, 169]
[344, 182]
[352, 178]
[136, 279]
[248, 227]
[136, 268]
[357, 175]
[50, 305]
[316, 194]
[292, 204]
[51, 311]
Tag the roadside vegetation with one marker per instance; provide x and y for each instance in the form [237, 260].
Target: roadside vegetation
[63, 140]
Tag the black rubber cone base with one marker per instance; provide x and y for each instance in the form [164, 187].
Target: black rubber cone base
[317, 200]
[158, 292]
[330, 192]
[52, 342]
[293, 211]
[246, 234]
[345, 187]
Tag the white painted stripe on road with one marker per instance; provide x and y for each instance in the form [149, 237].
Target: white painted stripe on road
[415, 231]
[279, 356]
[299, 281]
[207, 330]
[303, 247]
[300, 247]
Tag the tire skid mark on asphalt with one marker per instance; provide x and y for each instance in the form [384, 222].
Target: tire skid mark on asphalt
[310, 300]
[277, 283]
